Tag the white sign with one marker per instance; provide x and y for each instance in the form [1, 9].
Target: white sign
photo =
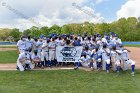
[68, 54]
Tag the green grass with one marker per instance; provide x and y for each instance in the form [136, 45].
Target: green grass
[8, 46]
[8, 56]
[68, 81]
[132, 45]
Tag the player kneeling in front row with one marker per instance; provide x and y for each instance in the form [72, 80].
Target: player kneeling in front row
[83, 61]
[36, 59]
[24, 61]
[93, 59]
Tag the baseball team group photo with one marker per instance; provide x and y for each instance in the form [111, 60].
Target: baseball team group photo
[77, 46]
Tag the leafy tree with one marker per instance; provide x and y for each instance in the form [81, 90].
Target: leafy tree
[15, 34]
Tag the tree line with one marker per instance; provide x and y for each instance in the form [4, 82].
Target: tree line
[128, 29]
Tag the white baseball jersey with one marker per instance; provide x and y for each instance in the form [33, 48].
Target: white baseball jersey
[35, 45]
[52, 46]
[118, 41]
[39, 44]
[112, 42]
[89, 43]
[23, 56]
[104, 40]
[21, 44]
[105, 53]
[124, 55]
[45, 45]
[29, 43]
[115, 58]
[99, 42]
[114, 54]
[84, 62]
[60, 42]
[88, 53]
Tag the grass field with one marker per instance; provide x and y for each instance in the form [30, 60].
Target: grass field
[68, 81]
[8, 56]
[132, 45]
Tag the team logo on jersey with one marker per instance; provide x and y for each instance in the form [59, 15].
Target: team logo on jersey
[68, 51]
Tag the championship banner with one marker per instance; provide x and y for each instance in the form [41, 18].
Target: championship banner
[68, 54]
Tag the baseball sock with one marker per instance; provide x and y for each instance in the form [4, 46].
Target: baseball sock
[133, 68]
[91, 64]
[42, 63]
[46, 62]
[49, 63]
[107, 66]
[118, 69]
[99, 64]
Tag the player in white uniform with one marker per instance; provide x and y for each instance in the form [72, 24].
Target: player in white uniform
[124, 55]
[39, 45]
[35, 58]
[106, 58]
[39, 48]
[88, 57]
[115, 60]
[52, 51]
[84, 61]
[93, 59]
[45, 53]
[23, 59]
[21, 44]
[99, 56]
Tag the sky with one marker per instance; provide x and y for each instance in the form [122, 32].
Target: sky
[23, 14]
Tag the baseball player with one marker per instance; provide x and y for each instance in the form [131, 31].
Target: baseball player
[106, 58]
[35, 58]
[99, 56]
[39, 45]
[45, 53]
[23, 59]
[115, 60]
[39, 49]
[124, 55]
[88, 56]
[52, 51]
[93, 59]
[21, 44]
[83, 61]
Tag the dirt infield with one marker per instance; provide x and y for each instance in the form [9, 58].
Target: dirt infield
[7, 49]
[134, 54]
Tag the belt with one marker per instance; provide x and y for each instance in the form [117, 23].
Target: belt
[126, 60]
[21, 49]
[51, 50]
